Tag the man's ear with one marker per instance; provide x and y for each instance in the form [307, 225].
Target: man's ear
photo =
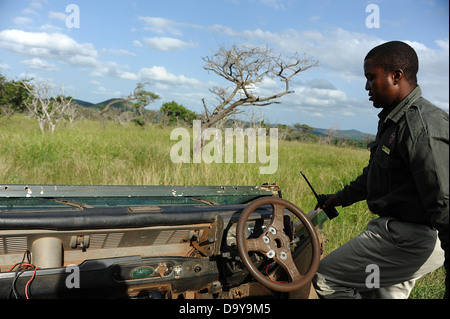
[397, 76]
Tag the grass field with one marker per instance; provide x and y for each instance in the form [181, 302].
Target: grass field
[129, 155]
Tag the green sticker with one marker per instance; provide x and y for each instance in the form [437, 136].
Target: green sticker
[142, 272]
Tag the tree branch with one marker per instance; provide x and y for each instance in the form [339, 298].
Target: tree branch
[246, 67]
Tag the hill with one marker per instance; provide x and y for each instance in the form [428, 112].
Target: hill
[98, 106]
[352, 135]
[84, 103]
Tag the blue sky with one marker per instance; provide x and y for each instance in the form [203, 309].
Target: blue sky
[119, 43]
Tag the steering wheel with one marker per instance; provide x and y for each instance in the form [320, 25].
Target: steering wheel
[274, 243]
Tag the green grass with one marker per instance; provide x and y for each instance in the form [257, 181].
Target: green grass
[128, 155]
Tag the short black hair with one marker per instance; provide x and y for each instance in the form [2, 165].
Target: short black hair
[397, 55]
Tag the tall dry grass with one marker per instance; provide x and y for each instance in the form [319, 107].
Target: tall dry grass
[129, 155]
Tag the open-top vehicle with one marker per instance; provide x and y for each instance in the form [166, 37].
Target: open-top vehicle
[166, 242]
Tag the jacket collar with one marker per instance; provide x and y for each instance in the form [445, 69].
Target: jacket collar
[397, 112]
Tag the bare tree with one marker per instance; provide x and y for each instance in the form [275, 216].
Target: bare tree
[47, 106]
[72, 112]
[138, 99]
[102, 111]
[329, 135]
[6, 110]
[245, 67]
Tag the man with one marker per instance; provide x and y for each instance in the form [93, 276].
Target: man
[406, 183]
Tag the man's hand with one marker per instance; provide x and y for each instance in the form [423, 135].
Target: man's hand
[333, 200]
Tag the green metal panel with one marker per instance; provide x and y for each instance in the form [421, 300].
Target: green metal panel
[57, 196]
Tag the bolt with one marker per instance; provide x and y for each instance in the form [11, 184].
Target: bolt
[197, 268]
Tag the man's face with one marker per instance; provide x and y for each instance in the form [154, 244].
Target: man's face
[379, 84]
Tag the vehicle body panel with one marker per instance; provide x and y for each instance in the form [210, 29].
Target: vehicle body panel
[136, 241]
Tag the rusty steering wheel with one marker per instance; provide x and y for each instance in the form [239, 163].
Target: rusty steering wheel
[274, 243]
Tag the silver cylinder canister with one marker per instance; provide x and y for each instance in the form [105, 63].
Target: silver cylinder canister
[47, 252]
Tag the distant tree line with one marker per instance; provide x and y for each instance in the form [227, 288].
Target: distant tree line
[50, 106]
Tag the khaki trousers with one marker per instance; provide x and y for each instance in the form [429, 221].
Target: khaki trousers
[382, 262]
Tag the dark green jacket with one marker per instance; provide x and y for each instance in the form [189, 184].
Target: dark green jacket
[407, 177]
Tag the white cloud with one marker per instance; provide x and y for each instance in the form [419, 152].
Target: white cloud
[347, 113]
[320, 84]
[158, 75]
[109, 68]
[166, 44]
[318, 97]
[443, 44]
[62, 48]
[137, 43]
[22, 20]
[36, 78]
[107, 92]
[50, 28]
[120, 52]
[59, 47]
[164, 79]
[165, 26]
[48, 45]
[36, 63]
[432, 78]
[160, 25]
[57, 15]
[28, 11]
[36, 4]
[218, 28]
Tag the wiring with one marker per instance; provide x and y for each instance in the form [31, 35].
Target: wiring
[29, 282]
[267, 274]
[21, 267]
